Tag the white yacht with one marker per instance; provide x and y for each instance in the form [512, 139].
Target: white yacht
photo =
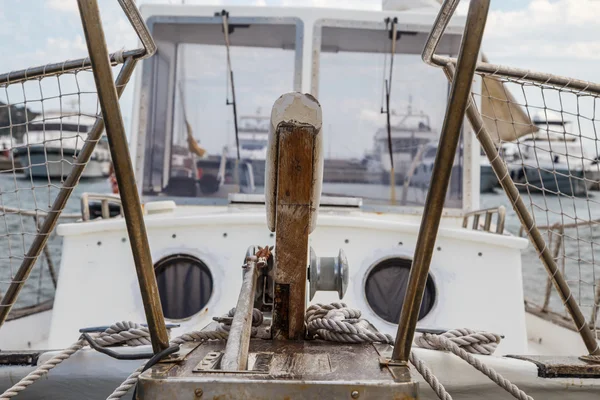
[253, 136]
[409, 132]
[51, 143]
[565, 155]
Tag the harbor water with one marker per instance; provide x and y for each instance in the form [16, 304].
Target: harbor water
[17, 233]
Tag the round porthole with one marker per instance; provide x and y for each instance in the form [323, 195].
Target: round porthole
[385, 287]
[185, 285]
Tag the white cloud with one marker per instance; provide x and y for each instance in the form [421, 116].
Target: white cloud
[352, 4]
[63, 5]
[564, 28]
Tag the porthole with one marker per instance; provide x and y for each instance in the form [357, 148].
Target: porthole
[185, 285]
[385, 287]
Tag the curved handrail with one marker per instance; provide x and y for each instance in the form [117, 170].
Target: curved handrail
[437, 31]
[137, 22]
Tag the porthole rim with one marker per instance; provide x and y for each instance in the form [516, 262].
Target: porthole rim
[390, 257]
[166, 257]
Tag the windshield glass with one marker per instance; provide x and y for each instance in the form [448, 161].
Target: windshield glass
[191, 145]
[191, 148]
[358, 159]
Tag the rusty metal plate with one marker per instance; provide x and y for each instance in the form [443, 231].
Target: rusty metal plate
[562, 367]
[282, 369]
[184, 350]
[258, 363]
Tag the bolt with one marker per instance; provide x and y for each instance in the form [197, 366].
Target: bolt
[198, 393]
[355, 394]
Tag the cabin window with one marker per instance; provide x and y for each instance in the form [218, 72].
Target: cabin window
[191, 149]
[349, 80]
[185, 285]
[385, 287]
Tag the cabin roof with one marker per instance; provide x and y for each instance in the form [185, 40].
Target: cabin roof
[342, 25]
[424, 16]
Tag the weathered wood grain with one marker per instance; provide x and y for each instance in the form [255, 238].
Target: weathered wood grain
[295, 184]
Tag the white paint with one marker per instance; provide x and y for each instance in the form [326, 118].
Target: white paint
[401, 5]
[160, 207]
[545, 339]
[102, 277]
[26, 333]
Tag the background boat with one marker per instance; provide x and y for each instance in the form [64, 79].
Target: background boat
[50, 145]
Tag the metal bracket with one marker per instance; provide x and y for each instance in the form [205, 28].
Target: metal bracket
[210, 362]
[387, 362]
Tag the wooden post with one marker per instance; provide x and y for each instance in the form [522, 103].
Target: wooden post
[294, 176]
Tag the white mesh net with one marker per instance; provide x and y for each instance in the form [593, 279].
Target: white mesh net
[52, 150]
[44, 124]
[547, 135]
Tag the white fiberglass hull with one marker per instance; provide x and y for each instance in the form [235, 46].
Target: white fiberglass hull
[52, 163]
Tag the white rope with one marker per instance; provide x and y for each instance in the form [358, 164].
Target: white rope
[128, 333]
[195, 336]
[472, 341]
[336, 322]
[125, 333]
[42, 370]
[463, 346]
[333, 322]
[119, 56]
[121, 333]
[429, 377]
[127, 384]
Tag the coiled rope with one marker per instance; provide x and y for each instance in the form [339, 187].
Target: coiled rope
[336, 322]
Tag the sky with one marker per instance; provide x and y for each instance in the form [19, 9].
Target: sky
[558, 36]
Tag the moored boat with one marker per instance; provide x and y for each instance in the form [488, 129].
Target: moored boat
[51, 143]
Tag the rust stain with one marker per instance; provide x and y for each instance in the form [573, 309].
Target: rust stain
[403, 396]
[263, 252]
